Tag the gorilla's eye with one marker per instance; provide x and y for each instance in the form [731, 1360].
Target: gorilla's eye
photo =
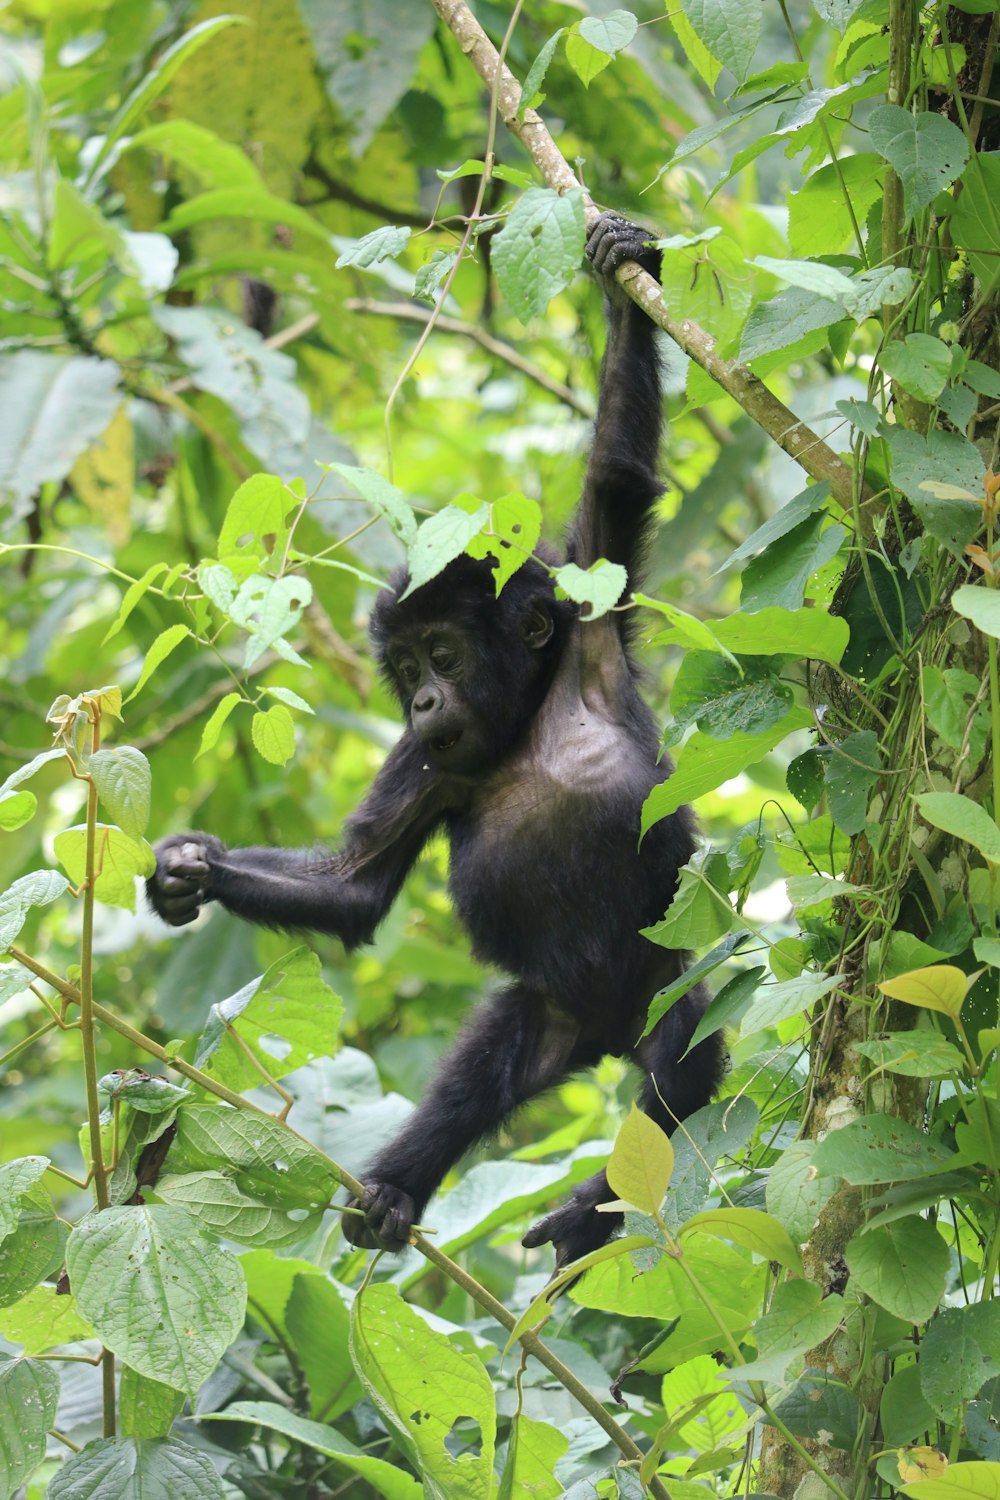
[408, 671]
[444, 658]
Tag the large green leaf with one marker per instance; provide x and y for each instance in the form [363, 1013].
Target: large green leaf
[926, 151]
[134, 1469]
[29, 1395]
[158, 1291]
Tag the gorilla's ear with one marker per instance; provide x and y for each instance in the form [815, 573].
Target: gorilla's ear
[536, 626]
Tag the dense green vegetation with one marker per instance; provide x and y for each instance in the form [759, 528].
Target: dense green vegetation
[286, 292]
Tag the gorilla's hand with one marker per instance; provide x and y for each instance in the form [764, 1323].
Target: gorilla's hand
[182, 882]
[574, 1230]
[389, 1214]
[612, 240]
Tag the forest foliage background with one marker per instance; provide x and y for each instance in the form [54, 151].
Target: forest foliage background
[223, 418]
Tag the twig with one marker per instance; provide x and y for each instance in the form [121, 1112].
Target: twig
[406, 312]
[747, 389]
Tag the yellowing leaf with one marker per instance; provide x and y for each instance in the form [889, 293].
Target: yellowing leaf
[920, 1463]
[940, 987]
[104, 477]
[641, 1163]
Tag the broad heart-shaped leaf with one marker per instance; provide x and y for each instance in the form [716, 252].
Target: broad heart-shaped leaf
[941, 987]
[599, 587]
[388, 501]
[146, 1408]
[704, 764]
[879, 1149]
[29, 1395]
[123, 780]
[51, 409]
[753, 1229]
[981, 606]
[16, 1178]
[611, 32]
[36, 889]
[962, 1481]
[539, 249]
[273, 733]
[794, 1194]
[386, 1478]
[255, 514]
[640, 1166]
[35, 1248]
[269, 608]
[440, 539]
[926, 151]
[266, 1160]
[533, 1451]
[385, 243]
[514, 528]
[959, 1353]
[138, 1469]
[41, 1319]
[422, 1384]
[920, 363]
[964, 818]
[120, 860]
[902, 1266]
[162, 1295]
[700, 911]
[218, 1203]
[730, 29]
[286, 1018]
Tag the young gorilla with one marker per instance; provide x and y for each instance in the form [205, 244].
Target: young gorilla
[528, 742]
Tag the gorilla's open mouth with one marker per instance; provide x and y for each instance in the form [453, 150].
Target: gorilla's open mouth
[446, 741]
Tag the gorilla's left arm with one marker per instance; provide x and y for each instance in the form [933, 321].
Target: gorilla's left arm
[346, 893]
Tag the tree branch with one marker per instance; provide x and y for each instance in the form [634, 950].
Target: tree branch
[506, 352]
[747, 389]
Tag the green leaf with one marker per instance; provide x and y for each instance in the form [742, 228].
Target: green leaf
[124, 782]
[805, 778]
[902, 1266]
[780, 575]
[222, 1206]
[794, 1194]
[269, 608]
[386, 1478]
[512, 534]
[685, 630]
[385, 243]
[267, 1161]
[586, 61]
[852, 770]
[204, 154]
[162, 1295]
[533, 1450]
[16, 809]
[700, 912]
[919, 363]
[611, 32]
[120, 860]
[217, 584]
[29, 1395]
[640, 1166]
[388, 501]
[131, 597]
[968, 1480]
[981, 606]
[717, 1130]
[666, 998]
[926, 151]
[154, 82]
[167, 641]
[421, 1384]
[214, 726]
[879, 1149]
[599, 586]
[752, 1228]
[256, 511]
[789, 997]
[730, 29]
[940, 987]
[36, 889]
[43, 1319]
[960, 1351]
[285, 1019]
[797, 1319]
[811, 275]
[52, 408]
[244, 203]
[823, 1409]
[723, 699]
[729, 1005]
[318, 1321]
[939, 458]
[785, 319]
[813, 633]
[531, 89]
[948, 695]
[914, 1054]
[704, 764]
[962, 818]
[799, 508]
[440, 539]
[273, 734]
[137, 1469]
[35, 1249]
[16, 1179]
[146, 1408]
[538, 251]
[974, 226]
